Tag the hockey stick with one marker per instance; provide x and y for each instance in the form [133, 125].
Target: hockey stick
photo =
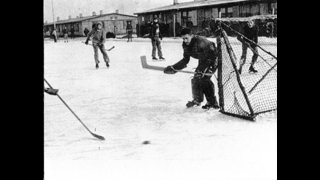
[145, 65]
[95, 135]
[106, 49]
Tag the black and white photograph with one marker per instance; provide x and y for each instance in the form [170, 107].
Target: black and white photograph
[160, 90]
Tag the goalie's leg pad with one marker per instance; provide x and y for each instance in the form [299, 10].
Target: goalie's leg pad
[197, 92]
[209, 91]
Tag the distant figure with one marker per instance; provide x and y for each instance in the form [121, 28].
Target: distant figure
[129, 30]
[86, 31]
[250, 40]
[65, 34]
[156, 36]
[98, 40]
[270, 28]
[54, 34]
[72, 32]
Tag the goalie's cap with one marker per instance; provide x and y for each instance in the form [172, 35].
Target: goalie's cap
[99, 23]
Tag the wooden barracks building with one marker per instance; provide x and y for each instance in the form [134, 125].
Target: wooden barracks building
[112, 22]
[196, 13]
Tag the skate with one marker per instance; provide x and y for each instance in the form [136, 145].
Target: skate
[210, 105]
[154, 58]
[252, 70]
[193, 103]
[97, 66]
[107, 64]
[162, 58]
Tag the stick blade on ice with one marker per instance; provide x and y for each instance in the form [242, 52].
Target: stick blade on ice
[98, 136]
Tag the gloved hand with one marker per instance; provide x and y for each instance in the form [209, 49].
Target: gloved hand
[51, 91]
[198, 75]
[169, 70]
[87, 41]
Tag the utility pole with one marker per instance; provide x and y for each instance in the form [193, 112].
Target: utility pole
[54, 24]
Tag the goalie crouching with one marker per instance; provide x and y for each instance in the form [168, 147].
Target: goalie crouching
[198, 47]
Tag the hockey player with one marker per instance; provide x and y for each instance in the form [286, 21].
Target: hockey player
[200, 48]
[98, 39]
[250, 39]
[156, 36]
[65, 34]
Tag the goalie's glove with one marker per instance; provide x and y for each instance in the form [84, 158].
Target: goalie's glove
[51, 91]
[169, 70]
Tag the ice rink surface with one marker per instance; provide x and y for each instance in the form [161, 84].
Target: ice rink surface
[128, 105]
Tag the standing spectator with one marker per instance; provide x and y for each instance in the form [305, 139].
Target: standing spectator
[198, 47]
[270, 28]
[249, 39]
[156, 36]
[86, 31]
[72, 32]
[54, 34]
[65, 34]
[129, 30]
[98, 39]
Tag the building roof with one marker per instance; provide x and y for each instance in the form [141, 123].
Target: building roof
[79, 19]
[191, 4]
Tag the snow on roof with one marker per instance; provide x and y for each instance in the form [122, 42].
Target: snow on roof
[191, 4]
[79, 19]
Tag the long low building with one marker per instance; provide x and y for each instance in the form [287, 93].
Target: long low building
[112, 22]
[198, 14]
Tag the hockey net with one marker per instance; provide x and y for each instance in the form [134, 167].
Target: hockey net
[247, 94]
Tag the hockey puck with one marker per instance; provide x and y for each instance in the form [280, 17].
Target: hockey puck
[146, 142]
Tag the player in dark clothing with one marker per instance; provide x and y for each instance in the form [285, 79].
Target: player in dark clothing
[250, 40]
[156, 36]
[200, 48]
[86, 31]
[129, 30]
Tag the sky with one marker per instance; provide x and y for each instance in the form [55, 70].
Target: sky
[64, 8]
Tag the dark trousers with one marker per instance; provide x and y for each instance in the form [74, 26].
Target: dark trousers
[243, 58]
[203, 86]
[156, 45]
[103, 51]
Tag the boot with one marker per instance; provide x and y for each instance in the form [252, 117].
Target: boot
[161, 58]
[107, 64]
[154, 58]
[97, 66]
[193, 103]
[252, 70]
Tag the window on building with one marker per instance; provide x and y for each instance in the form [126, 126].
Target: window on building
[230, 12]
[193, 17]
[215, 13]
[111, 17]
[223, 12]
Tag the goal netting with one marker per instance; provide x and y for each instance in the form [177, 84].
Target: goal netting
[247, 94]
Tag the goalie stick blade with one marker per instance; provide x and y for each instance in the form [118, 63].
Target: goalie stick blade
[146, 66]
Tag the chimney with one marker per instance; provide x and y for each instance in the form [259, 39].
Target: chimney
[93, 13]
[117, 11]
[58, 19]
[175, 2]
[81, 15]
[70, 17]
[101, 12]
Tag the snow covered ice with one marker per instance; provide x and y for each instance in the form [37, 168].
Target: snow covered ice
[128, 105]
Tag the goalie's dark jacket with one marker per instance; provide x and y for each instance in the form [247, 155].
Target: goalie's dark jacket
[202, 49]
